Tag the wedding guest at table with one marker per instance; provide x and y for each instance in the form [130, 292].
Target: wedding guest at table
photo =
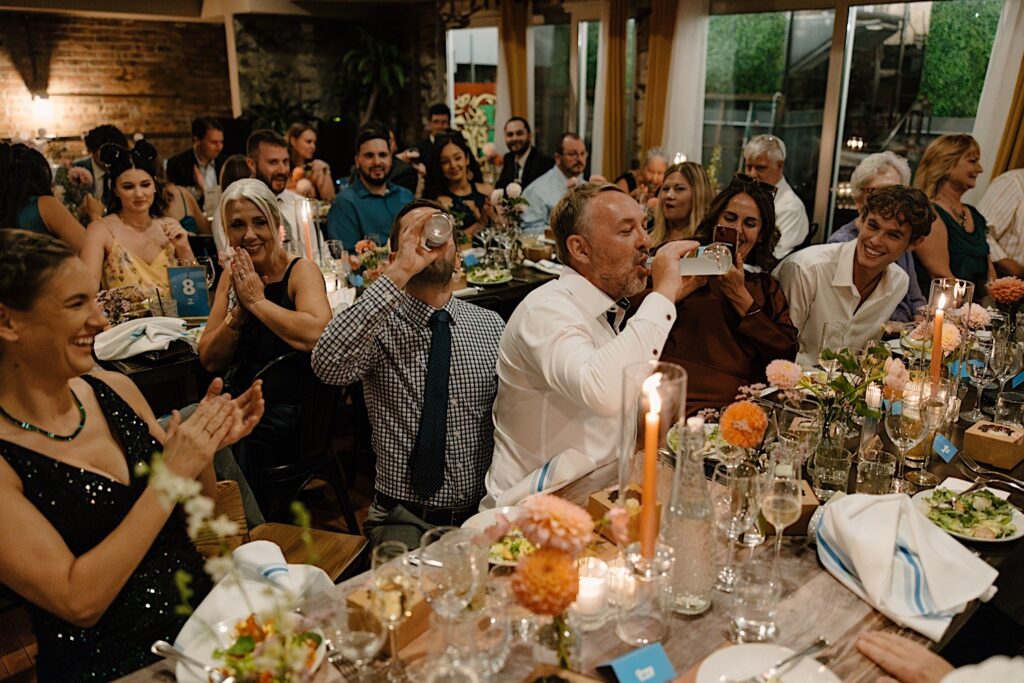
[427, 362]
[182, 206]
[87, 540]
[644, 182]
[301, 139]
[876, 171]
[134, 243]
[563, 352]
[368, 206]
[682, 202]
[197, 168]
[94, 141]
[439, 118]
[729, 327]
[1003, 207]
[406, 171]
[544, 192]
[236, 167]
[452, 175]
[26, 196]
[957, 246]
[856, 282]
[268, 157]
[523, 163]
[764, 159]
[908, 661]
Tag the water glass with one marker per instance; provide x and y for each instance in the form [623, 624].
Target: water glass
[756, 593]
[356, 634]
[1010, 408]
[482, 635]
[831, 471]
[874, 472]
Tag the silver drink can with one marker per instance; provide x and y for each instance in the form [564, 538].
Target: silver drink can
[438, 230]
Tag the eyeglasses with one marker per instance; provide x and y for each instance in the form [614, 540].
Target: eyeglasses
[749, 183]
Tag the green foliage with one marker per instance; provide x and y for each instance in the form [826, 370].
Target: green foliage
[183, 582]
[371, 70]
[956, 57]
[746, 53]
[277, 108]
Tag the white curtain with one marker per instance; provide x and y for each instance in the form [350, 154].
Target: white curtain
[997, 93]
[684, 114]
[597, 134]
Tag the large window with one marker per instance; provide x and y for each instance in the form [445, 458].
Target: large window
[553, 110]
[472, 79]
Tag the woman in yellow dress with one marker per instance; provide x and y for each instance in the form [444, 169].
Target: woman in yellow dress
[134, 243]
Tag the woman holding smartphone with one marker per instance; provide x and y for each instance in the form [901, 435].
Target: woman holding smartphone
[729, 327]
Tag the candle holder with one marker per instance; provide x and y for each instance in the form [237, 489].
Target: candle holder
[949, 302]
[591, 607]
[654, 406]
[307, 232]
[644, 618]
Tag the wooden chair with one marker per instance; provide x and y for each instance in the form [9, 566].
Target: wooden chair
[339, 555]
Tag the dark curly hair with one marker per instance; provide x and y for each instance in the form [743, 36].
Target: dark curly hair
[907, 205]
[762, 254]
[436, 185]
[120, 159]
[27, 260]
[24, 173]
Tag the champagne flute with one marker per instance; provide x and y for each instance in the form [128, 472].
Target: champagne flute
[781, 507]
[735, 499]
[981, 373]
[357, 635]
[391, 590]
[1008, 360]
[906, 426]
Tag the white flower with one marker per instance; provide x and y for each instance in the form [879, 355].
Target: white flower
[219, 566]
[496, 196]
[200, 506]
[514, 190]
[223, 527]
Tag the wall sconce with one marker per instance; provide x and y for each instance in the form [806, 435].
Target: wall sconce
[42, 107]
[679, 158]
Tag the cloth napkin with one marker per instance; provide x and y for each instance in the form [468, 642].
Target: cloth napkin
[260, 571]
[545, 266]
[139, 336]
[887, 552]
[559, 471]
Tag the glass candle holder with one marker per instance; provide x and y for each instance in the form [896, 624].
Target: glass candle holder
[310, 241]
[654, 406]
[645, 618]
[949, 302]
[591, 606]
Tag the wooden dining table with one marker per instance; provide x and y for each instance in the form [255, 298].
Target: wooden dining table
[813, 603]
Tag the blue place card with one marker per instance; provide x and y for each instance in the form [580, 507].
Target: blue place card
[1018, 380]
[944, 448]
[955, 367]
[188, 287]
[647, 665]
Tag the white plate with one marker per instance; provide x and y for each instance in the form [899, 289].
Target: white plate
[502, 278]
[202, 649]
[1018, 519]
[740, 661]
[488, 518]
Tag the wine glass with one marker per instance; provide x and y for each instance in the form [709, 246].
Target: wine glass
[735, 501]
[781, 507]
[981, 373]
[1007, 360]
[799, 432]
[449, 577]
[906, 426]
[391, 590]
[357, 635]
[833, 338]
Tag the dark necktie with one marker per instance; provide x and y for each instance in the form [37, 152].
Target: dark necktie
[519, 172]
[427, 467]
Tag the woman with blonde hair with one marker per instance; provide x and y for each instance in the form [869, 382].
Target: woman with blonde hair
[682, 202]
[956, 246]
[310, 177]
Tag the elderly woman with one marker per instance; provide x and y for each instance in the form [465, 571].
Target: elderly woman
[645, 181]
[956, 246]
[87, 541]
[310, 177]
[134, 243]
[729, 327]
[682, 201]
[452, 172]
[26, 197]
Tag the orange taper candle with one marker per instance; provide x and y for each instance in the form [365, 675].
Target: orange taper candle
[937, 343]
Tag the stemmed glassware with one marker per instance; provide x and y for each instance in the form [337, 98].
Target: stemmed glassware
[1007, 360]
[356, 634]
[450, 573]
[833, 338]
[981, 372]
[736, 499]
[781, 507]
[907, 425]
[391, 590]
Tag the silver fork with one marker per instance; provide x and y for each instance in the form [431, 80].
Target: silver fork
[978, 469]
[981, 480]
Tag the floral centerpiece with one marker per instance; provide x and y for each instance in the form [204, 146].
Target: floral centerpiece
[491, 162]
[368, 263]
[123, 303]
[75, 183]
[1008, 293]
[510, 204]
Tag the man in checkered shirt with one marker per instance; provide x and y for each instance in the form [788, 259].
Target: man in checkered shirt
[432, 453]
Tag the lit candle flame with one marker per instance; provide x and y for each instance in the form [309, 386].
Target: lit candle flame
[942, 302]
[650, 388]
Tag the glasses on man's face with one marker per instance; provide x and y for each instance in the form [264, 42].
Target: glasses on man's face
[750, 183]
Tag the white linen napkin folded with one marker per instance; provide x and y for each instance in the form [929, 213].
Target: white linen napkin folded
[559, 471]
[545, 266]
[887, 552]
[263, 560]
[138, 336]
[238, 595]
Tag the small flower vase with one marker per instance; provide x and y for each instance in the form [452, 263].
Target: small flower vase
[557, 641]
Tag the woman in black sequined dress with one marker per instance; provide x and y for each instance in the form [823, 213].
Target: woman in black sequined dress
[85, 540]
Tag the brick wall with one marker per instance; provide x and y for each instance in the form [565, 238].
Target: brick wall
[143, 76]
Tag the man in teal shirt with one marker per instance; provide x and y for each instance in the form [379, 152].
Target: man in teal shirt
[367, 207]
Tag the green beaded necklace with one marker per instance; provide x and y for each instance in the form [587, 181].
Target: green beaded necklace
[58, 437]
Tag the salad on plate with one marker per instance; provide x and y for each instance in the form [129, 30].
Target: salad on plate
[258, 649]
[488, 275]
[978, 514]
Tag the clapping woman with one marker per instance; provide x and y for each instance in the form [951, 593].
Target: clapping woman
[86, 539]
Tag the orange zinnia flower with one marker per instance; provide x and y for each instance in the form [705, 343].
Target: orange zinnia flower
[546, 581]
[743, 424]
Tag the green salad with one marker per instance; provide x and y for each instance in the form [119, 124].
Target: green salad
[510, 547]
[978, 514]
[484, 275]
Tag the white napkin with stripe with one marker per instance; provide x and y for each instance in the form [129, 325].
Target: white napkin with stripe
[887, 552]
[138, 336]
[559, 471]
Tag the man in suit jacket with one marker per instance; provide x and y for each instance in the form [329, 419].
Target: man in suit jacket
[198, 168]
[523, 163]
[94, 139]
[440, 120]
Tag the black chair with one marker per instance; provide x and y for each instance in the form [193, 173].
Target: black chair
[289, 381]
[812, 232]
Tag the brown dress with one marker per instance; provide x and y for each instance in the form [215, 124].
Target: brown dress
[723, 350]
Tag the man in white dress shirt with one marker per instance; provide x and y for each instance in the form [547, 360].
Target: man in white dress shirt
[558, 411]
[544, 192]
[1003, 209]
[858, 282]
[267, 151]
[765, 157]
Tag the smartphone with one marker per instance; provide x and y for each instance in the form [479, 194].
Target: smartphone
[726, 235]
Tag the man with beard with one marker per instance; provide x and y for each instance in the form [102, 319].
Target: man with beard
[559, 406]
[544, 192]
[426, 360]
[523, 163]
[267, 153]
[370, 203]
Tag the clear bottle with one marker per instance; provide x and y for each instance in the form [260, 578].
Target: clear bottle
[688, 525]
